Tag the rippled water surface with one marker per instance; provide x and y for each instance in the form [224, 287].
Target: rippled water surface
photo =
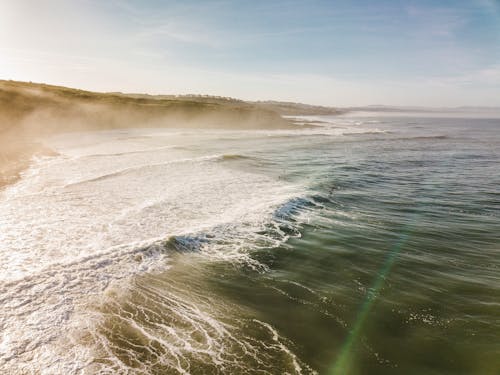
[364, 245]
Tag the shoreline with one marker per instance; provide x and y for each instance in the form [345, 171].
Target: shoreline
[16, 156]
[31, 111]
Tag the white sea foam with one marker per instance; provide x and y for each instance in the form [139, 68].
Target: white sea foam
[76, 224]
[334, 125]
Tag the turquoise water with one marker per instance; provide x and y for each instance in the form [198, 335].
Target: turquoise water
[367, 245]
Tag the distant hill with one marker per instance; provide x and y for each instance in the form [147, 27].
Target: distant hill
[298, 109]
[187, 97]
[31, 110]
[37, 109]
[282, 108]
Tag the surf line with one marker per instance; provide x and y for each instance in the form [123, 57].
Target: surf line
[342, 364]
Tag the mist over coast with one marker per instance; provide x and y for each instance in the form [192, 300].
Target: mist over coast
[29, 111]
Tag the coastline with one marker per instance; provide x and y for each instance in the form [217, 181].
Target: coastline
[29, 111]
[16, 156]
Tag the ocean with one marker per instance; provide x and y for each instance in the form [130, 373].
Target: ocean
[361, 244]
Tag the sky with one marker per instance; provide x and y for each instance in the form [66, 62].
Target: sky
[338, 53]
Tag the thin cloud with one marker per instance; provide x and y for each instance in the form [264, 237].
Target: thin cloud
[175, 32]
[438, 22]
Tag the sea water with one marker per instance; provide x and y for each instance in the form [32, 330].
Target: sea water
[355, 245]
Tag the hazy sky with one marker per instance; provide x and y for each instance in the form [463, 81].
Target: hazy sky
[424, 52]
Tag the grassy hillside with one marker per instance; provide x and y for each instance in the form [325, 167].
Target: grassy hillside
[43, 109]
[29, 111]
[298, 109]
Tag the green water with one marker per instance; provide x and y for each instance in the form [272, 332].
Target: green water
[391, 266]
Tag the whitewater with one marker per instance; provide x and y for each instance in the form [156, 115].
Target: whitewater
[115, 204]
[223, 251]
